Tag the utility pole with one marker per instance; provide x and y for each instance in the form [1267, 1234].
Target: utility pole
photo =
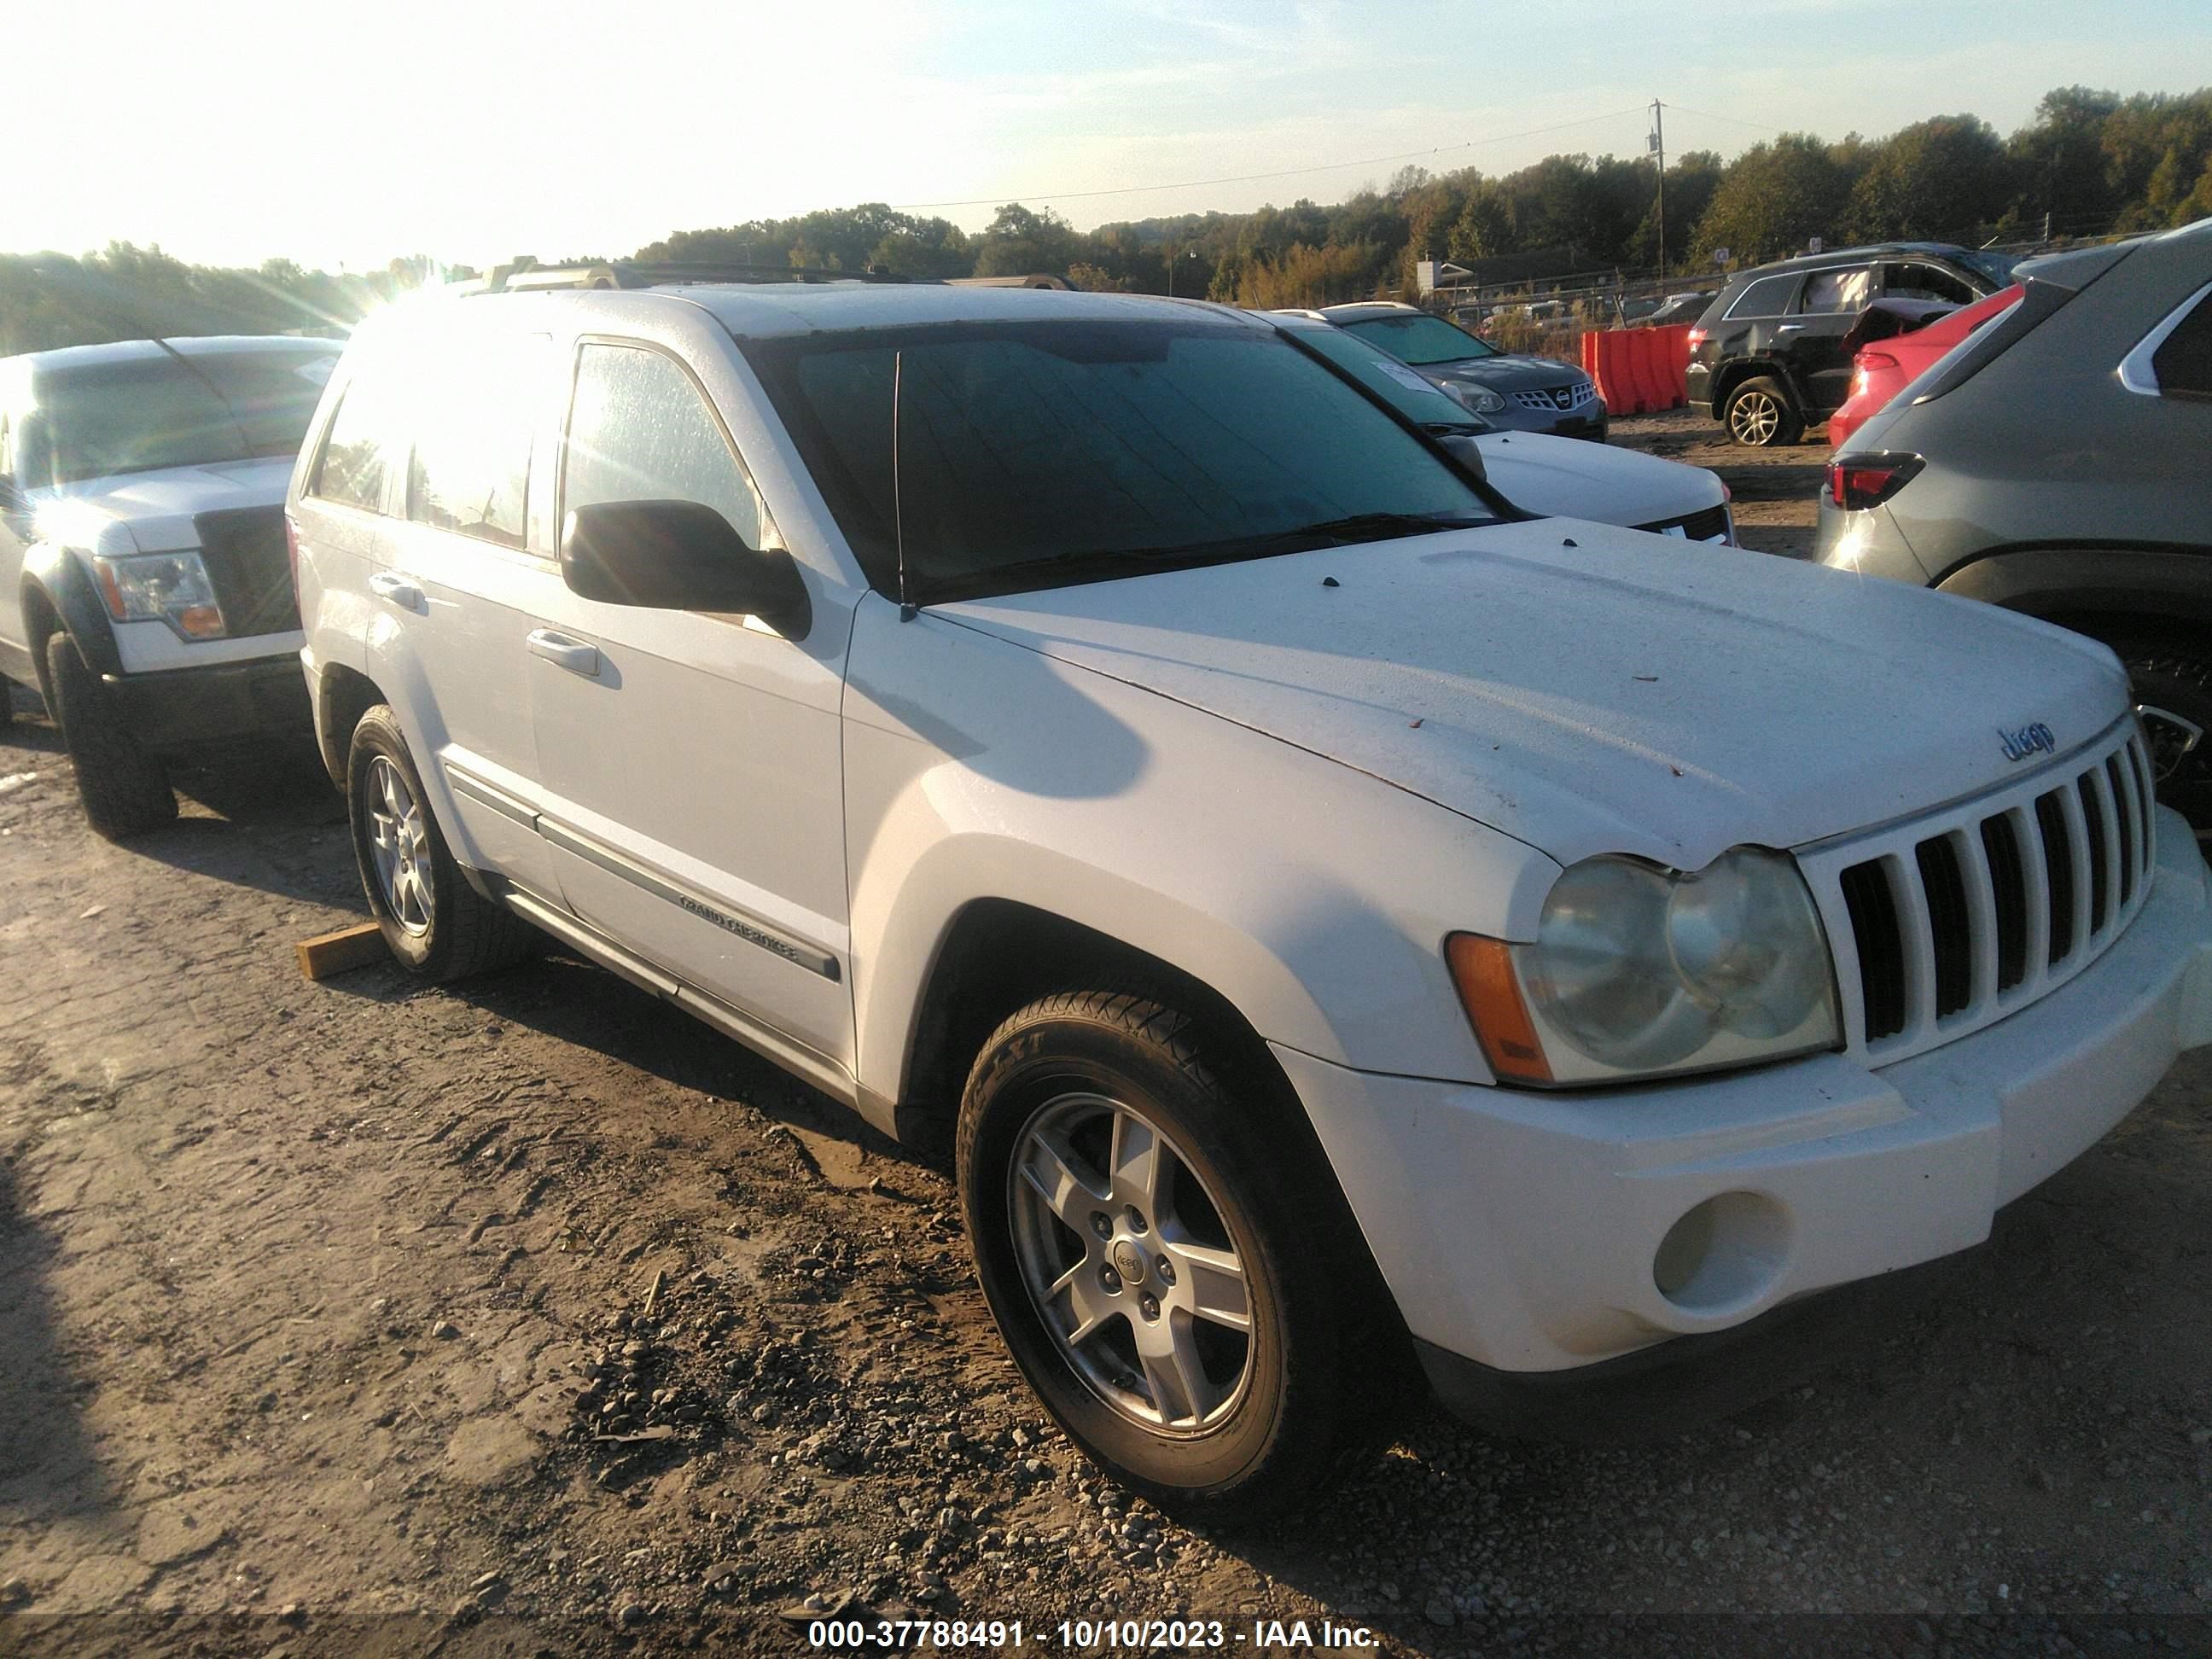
[1659, 150]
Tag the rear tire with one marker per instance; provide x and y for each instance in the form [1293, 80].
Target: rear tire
[1144, 1365]
[125, 789]
[1759, 413]
[437, 925]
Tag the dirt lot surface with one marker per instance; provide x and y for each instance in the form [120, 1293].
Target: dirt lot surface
[1774, 487]
[327, 1326]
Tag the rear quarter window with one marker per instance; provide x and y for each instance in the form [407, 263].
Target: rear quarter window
[2182, 363]
[1769, 296]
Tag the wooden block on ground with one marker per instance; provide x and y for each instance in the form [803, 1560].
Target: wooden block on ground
[343, 951]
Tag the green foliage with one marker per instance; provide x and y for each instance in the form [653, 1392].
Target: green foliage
[126, 293]
[1773, 198]
[1944, 177]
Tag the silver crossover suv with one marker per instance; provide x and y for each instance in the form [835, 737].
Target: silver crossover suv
[2056, 463]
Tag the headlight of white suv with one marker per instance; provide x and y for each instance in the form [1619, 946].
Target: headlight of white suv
[1479, 398]
[1639, 972]
[169, 587]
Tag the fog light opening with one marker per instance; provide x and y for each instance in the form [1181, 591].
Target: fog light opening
[1723, 1254]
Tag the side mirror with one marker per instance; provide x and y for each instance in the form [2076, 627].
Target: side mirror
[680, 556]
[1463, 447]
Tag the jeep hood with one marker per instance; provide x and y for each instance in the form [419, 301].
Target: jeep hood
[1588, 689]
[155, 510]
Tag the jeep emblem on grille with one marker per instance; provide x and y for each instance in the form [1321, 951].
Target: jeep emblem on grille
[2034, 739]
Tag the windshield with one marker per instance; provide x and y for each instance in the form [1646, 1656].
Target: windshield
[1038, 454]
[1418, 338]
[95, 420]
[1997, 267]
[1417, 400]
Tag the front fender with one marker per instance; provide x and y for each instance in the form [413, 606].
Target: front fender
[1313, 898]
[58, 578]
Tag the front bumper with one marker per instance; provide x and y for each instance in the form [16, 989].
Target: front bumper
[185, 709]
[1521, 1231]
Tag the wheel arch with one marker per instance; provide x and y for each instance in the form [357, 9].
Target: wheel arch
[1733, 373]
[58, 597]
[343, 695]
[998, 955]
[2103, 591]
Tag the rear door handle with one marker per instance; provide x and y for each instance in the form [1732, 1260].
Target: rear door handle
[577, 656]
[400, 590]
[1788, 328]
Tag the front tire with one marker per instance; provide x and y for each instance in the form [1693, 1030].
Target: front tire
[437, 925]
[2180, 681]
[1168, 1259]
[124, 789]
[1759, 413]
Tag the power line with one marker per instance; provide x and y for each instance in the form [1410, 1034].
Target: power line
[1738, 120]
[1255, 178]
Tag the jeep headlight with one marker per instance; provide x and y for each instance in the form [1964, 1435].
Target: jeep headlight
[169, 587]
[1638, 971]
[1479, 398]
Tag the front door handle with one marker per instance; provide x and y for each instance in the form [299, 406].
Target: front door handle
[1788, 328]
[400, 590]
[577, 656]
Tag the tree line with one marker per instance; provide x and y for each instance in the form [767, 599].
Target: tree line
[2087, 163]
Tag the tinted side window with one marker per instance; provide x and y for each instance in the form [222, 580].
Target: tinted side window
[1918, 281]
[1828, 293]
[640, 431]
[1767, 297]
[2183, 363]
[356, 455]
[471, 468]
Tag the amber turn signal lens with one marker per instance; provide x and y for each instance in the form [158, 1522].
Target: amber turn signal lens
[1482, 970]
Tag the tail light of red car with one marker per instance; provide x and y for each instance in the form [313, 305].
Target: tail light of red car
[1867, 362]
[1857, 483]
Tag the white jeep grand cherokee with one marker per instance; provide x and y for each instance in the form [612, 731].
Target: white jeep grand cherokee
[1347, 920]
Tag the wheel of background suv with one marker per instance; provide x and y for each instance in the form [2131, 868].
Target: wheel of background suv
[2167, 678]
[1759, 413]
[1177, 1277]
[437, 924]
[125, 789]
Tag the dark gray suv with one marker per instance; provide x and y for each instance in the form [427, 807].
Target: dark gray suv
[1513, 393]
[2059, 461]
[1769, 357]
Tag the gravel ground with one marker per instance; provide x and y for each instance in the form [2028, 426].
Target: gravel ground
[329, 1324]
[1774, 487]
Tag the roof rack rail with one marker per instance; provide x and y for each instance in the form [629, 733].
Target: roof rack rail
[525, 272]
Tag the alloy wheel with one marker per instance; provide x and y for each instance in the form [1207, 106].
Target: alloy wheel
[1753, 419]
[399, 846]
[1131, 1262]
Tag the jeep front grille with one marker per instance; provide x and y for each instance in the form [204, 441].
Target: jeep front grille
[1945, 924]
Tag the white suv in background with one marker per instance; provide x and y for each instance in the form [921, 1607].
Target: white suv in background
[1340, 919]
[144, 587]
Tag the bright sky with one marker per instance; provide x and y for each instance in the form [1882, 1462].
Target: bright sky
[228, 131]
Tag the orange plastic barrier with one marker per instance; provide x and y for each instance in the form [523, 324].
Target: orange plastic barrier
[1639, 370]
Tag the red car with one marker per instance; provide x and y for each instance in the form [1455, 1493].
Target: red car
[1882, 370]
